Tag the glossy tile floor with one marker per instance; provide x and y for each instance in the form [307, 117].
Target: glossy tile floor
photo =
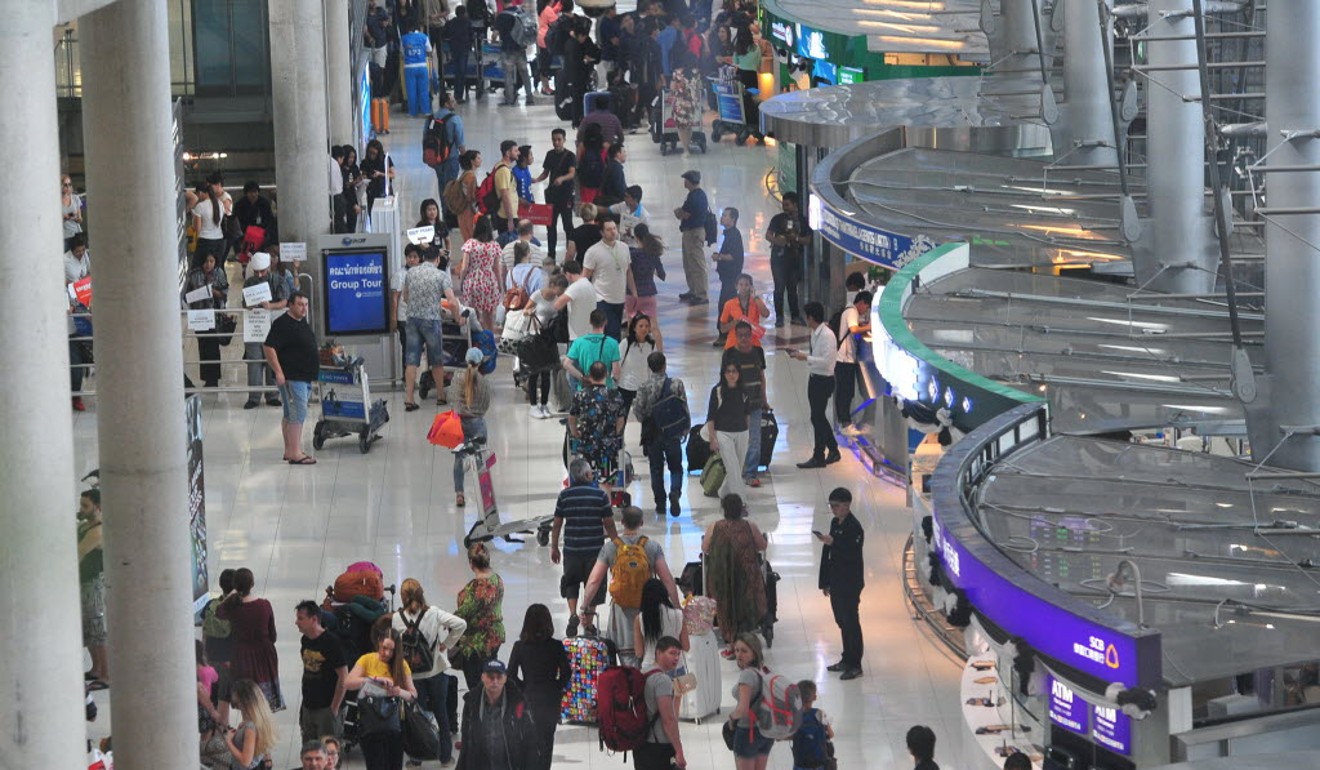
[298, 527]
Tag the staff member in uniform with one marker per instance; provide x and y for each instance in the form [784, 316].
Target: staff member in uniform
[842, 576]
[820, 356]
[290, 350]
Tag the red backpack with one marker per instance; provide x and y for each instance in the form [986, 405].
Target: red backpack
[621, 708]
[488, 198]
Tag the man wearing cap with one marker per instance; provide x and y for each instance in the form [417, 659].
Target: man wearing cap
[842, 577]
[258, 373]
[692, 223]
[497, 729]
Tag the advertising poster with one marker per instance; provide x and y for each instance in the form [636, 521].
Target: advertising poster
[197, 503]
[1112, 729]
[1067, 710]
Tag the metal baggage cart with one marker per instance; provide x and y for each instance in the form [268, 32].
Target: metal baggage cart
[735, 110]
[346, 405]
[480, 459]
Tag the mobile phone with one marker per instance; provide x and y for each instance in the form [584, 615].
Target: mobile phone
[818, 533]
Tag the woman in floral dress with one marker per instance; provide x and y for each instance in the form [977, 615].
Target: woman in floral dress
[686, 99]
[481, 273]
[480, 604]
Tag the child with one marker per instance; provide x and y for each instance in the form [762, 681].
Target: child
[811, 743]
[522, 174]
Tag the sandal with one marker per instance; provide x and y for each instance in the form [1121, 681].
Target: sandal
[409, 406]
[304, 460]
[459, 501]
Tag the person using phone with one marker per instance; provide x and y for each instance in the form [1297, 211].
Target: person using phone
[842, 577]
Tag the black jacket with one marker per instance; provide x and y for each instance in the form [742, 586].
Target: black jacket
[841, 567]
[519, 737]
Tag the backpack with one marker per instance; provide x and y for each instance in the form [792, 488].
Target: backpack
[712, 227]
[478, 12]
[214, 627]
[621, 708]
[630, 572]
[484, 341]
[417, 650]
[670, 413]
[435, 141]
[452, 195]
[517, 297]
[524, 27]
[811, 746]
[488, 198]
[778, 707]
[556, 35]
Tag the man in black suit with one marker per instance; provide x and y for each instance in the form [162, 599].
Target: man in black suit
[842, 576]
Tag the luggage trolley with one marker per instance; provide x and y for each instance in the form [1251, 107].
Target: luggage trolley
[734, 106]
[664, 129]
[480, 459]
[345, 394]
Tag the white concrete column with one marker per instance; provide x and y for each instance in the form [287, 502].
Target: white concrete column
[302, 146]
[1292, 269]
[41, 715]
[127, 135]
[1180, 228]
[338, 72]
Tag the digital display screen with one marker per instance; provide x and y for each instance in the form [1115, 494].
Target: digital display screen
[811, 43]
[356, 300]
[850, 75]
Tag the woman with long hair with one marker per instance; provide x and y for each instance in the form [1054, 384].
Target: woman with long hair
[354, 192]
[542, 307]
[658, 617]
[480, 273]
[540, 668]
[209, 272]
[644, 261]
[727, 426]
[747, 60]
[252, 740]
[751, 750]
[733, 547]
[468, 162]
[252, 634]
[643, 339]
[208, 215]
[71, 206]
[378, 170]
[428, 215]
[480, 603]
[441, 631]
[470, 394]
[382, 674]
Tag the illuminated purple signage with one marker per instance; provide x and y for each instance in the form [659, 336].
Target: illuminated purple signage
[1112, 729]
[1067, 709]
[1086, 645]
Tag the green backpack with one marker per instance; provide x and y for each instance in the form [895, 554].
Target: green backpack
[211, 625]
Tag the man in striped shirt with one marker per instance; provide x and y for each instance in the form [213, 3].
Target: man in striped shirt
[584, 516]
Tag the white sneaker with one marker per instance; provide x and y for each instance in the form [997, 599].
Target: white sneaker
[535, 411]
[545, 412]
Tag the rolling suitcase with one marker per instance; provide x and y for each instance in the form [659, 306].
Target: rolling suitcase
[769, 435]
[589, 656]
[698, 450]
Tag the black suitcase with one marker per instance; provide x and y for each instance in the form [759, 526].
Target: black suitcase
[698, 450]
[769, 435]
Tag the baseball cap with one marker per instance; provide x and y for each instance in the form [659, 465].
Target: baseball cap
[259, 261]
[495, 666]
[475, 356]
[693, 176]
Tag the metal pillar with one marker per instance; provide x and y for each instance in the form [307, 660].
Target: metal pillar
[1292, 269]
[1013, 38]
[302, 146]
[41, 670]
[126, 107]
[338, 73]
[1086, 122]
[1176, 253]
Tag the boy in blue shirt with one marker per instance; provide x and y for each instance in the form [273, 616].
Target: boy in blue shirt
[522, 174]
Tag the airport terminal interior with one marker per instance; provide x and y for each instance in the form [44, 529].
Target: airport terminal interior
[1083, 456]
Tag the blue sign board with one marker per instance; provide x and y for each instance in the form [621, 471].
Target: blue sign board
[1066, 707]
[1087, 645]
[356, 299]
[1112, 729]
[864, 240]
[729, 102]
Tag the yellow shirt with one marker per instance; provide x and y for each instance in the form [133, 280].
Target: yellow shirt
[504, 181]
[373, 666]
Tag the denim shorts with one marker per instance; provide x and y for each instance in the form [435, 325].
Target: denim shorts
[424, 331]
[295, 395]
[747, 747]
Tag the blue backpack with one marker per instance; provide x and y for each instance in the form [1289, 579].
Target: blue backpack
[811, 746]
[672, 420]
[485, 341]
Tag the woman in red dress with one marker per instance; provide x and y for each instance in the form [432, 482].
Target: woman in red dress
[252, 634]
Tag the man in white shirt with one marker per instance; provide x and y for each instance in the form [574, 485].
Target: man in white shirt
[579, 298]
[854, 322]
[630, 214]
[537, 255]
[820, 355]
[77, 262]
[607, 267]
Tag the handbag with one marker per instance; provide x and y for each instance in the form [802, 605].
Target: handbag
[378, 716]
[446, 430]
[517, 326]
[728, 732]
[421, 735]
[538, 352]
[225, 324]
[231, 228]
